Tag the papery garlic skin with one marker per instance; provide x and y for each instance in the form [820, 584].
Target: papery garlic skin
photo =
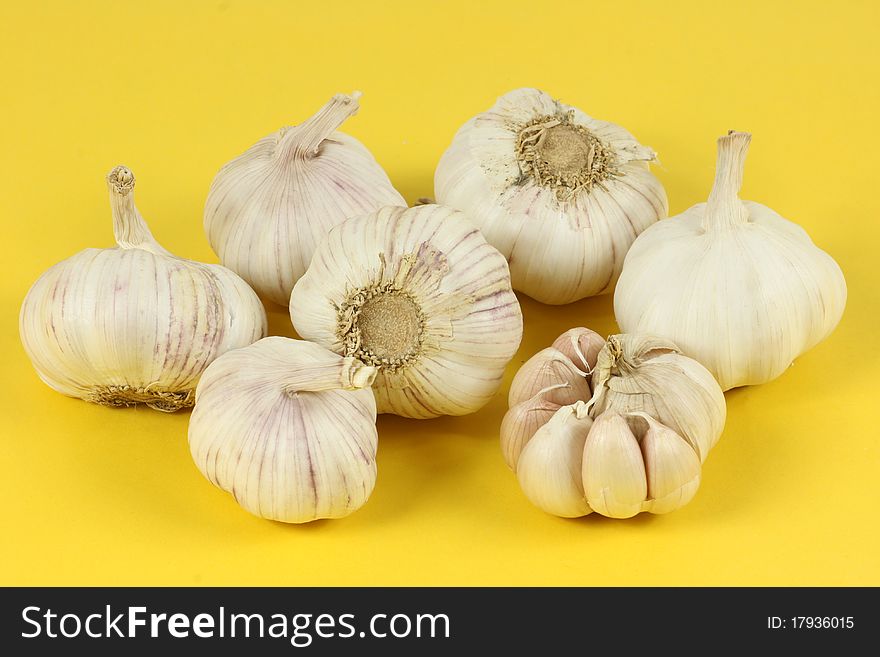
[134, 323]
[288, 428]
[548, 370]
[562, 195]
[419, 294]
[268, 208]
[639, 373]
[522, 421]
[733, 284]
[581, 346]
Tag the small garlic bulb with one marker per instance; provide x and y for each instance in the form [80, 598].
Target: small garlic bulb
[288, 428]
[562, 195]
[732, 283]
[269, 208]
[134, 323]
[420, 295]
[633, 441]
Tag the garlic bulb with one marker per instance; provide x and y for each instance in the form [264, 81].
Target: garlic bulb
[420, 295]
[288, 428]
[134, 323]
[732, 283]
[562, 195]
[269, 208]
[633, 442]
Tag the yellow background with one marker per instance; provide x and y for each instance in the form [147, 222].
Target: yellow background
[96, 496]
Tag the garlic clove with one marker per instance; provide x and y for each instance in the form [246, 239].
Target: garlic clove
[270, 207]
[419, 294]
[582, 346]
[549, 467]
[547, 369]
[613, 471]
[288, 428]
[672, 468]
[521, 422]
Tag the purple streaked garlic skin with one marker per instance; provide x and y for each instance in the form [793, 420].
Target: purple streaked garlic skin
[269, 208]
[134, 324]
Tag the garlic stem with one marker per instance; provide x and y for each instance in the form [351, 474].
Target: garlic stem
[581, 410]
[345, 373]
[302, 141]
[725, 209]
[129, 227]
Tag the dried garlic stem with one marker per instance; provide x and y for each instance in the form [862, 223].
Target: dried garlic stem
[302, 141]
[562, 155]
[345, 374]
[725, 209]
[129, 227]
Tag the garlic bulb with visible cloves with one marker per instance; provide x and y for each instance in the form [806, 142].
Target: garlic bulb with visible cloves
[133, 323]
[288, 428]
[562, 195]
[633, 442]
[419, 294]
[268, 208]
[732, 283]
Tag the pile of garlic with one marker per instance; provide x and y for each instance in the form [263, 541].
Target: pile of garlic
[615, 427]
[411, 311]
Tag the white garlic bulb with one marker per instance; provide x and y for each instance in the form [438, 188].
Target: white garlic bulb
[633, 442]
[269, 208]
[420, 295]
[134, 323]
[562, 195]
[732, 283]
[288, 428]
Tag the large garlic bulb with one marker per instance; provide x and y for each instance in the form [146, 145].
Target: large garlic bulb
[134, 323]
[562, 195]
[732, 283]
[420, 295]
[288, 428]
[269, 208]
[616, 427]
